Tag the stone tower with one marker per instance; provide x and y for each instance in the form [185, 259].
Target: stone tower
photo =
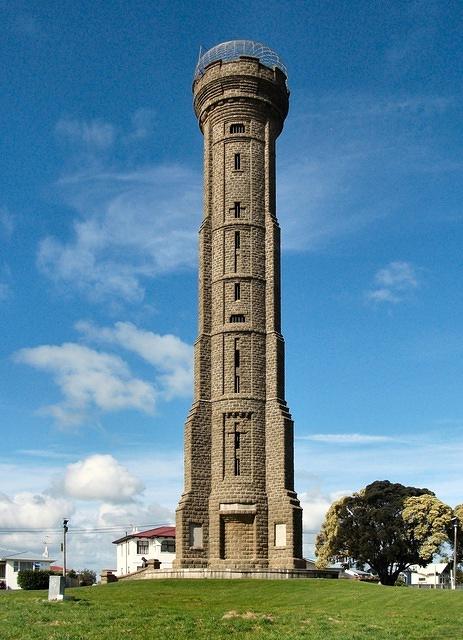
[239, 509]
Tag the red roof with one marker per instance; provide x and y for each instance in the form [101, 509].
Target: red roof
[158, 532]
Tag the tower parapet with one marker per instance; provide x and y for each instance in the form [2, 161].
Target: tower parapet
[239, 508]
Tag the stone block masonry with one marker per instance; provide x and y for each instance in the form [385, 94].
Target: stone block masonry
[239, 511]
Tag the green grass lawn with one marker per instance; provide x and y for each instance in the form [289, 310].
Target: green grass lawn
[171, 609]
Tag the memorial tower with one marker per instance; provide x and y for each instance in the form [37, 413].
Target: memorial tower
[239, 509]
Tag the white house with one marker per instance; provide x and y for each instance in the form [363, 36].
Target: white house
[12, 563]
[435, 575]
[154, 544]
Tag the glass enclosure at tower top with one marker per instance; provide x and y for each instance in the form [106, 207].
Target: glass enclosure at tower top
[234, 49]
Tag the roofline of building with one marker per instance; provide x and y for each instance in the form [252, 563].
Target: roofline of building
[141, 534]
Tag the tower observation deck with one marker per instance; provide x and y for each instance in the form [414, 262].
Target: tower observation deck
[239, 509]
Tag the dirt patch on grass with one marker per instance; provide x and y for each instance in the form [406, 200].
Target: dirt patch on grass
[247, 615]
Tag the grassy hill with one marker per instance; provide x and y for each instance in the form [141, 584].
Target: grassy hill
[174, 609]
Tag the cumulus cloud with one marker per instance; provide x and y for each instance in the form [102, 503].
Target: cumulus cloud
[394, 283]
[171, 357]
[99, 477]
[89, 380]
[130, 226]
[33, 510]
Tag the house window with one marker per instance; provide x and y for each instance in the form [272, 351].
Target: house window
[142, 547]
[168, 546]
[237, 161]
[237, 291]
[237, 209]
[237, 127]
[237, 317]
[16, 566]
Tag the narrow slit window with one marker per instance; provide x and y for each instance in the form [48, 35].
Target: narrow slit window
[237, 240]
[237, 358]
[237, 440]
[237, 384]
[237, 291]
[237, 127]
[237, 467]
[237, 161]
[237, 208]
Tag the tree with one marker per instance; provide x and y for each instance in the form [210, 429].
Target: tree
[458, 513]
[388, 526]
[86, 577]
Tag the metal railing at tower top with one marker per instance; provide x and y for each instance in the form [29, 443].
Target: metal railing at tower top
[233, 50]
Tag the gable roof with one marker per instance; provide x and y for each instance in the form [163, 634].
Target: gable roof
[165, 531]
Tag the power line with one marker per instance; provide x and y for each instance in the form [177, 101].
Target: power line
[84, 530]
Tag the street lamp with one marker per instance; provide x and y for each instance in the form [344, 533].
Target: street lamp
[455, 527]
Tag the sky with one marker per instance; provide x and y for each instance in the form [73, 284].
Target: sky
[100, 204]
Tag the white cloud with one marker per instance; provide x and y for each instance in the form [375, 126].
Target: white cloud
[172, 357]
[315, 504]
[32, 510]
[394, 283]
[6, 222]
[4, 291]
[94, 135]
[312, 195]
[142, 124]
[89, 493]
[110, 514]
[341, 158]
[131, 226]
[100, 477]
[89, 380]
[346, 438]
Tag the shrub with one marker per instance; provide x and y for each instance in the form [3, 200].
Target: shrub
[30, 580]
[2, 584]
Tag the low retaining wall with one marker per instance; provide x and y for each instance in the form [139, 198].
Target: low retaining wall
[149, 573]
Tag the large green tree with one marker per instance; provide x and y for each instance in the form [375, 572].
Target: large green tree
[387, 526]
[458, 513]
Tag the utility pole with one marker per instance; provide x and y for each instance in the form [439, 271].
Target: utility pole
[65, 530]
[126, 552]
[455, 527]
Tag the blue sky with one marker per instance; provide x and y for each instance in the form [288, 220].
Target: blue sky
[101, 165]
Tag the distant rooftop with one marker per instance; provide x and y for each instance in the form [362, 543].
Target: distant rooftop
[234, 49]
[166, 531]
